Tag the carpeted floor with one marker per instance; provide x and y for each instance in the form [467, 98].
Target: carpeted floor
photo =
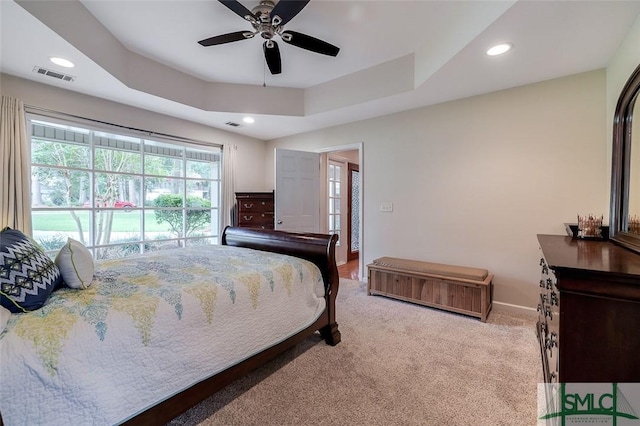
[397, 364]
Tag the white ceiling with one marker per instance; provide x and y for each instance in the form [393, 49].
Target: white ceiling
[395, 55]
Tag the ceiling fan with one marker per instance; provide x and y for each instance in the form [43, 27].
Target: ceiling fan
[268, 20]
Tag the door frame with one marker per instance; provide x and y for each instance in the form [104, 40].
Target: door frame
[351, 147]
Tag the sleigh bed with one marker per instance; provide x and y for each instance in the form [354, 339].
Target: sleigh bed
[156, 334]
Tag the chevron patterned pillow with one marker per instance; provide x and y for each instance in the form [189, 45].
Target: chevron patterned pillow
[27, 274]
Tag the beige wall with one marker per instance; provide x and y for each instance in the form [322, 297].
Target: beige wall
[626, 60]
[473, 181]
[351, 156]
[250, 154]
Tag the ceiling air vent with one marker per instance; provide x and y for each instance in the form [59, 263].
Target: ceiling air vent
[59, 76]
[232, 124]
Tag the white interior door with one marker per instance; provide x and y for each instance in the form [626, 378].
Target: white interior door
[297, 194]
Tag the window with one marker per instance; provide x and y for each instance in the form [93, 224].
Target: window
[335, 173]
[119, 194]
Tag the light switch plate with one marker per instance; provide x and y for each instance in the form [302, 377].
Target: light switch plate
[386, 207]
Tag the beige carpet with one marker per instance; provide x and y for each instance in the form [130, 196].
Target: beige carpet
[397, 364]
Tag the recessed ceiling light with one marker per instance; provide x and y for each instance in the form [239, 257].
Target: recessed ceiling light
[248, 120]
[499, 49]
[62, 62]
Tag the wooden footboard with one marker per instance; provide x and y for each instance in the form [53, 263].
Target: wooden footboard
[317, 248]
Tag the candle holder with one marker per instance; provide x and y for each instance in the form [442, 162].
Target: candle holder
[590, 226]
[634, 224]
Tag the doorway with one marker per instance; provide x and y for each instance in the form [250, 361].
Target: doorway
[350, 212]
[341, 212]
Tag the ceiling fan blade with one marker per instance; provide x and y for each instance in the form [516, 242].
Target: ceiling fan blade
[286, 10]
[238, 9]
[226, 38]
[309, 43]
[272, 56]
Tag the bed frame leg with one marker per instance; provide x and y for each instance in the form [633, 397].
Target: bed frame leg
[331, 334]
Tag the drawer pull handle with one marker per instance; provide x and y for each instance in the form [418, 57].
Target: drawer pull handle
[248, 206]
[248, 217]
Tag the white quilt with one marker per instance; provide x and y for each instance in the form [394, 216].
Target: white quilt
[149, 327]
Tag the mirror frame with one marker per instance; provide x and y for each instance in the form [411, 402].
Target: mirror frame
[621, 162]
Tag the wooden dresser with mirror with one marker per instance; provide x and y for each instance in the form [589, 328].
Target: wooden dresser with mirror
[589, 308]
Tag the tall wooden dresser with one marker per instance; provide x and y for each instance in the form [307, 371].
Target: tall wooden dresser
[589, 311]
[255, 209]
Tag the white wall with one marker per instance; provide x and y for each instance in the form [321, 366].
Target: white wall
[473, 181]
[626, 59]
[250, 154]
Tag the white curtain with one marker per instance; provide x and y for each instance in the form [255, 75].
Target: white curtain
[227, 210]
[15, 185]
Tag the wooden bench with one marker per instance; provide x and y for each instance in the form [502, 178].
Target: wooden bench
[454, 288]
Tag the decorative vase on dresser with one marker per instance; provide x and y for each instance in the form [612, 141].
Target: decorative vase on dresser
[255, 209]
[589, 311]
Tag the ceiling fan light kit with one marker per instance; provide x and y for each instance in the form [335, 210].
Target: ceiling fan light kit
[268, 20]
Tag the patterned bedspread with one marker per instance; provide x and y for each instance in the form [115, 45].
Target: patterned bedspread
[149, 327]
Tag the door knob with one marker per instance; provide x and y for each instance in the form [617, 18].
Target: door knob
[279, 222]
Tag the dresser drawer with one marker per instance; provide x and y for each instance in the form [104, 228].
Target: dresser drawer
[256, 220]
[249, 206]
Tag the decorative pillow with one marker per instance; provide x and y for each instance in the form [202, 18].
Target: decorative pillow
[76, 264]
[27, 275]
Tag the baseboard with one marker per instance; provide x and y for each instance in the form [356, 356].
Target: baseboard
[516, 309]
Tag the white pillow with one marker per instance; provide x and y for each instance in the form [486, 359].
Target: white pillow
[4, 318]
[76, 264]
